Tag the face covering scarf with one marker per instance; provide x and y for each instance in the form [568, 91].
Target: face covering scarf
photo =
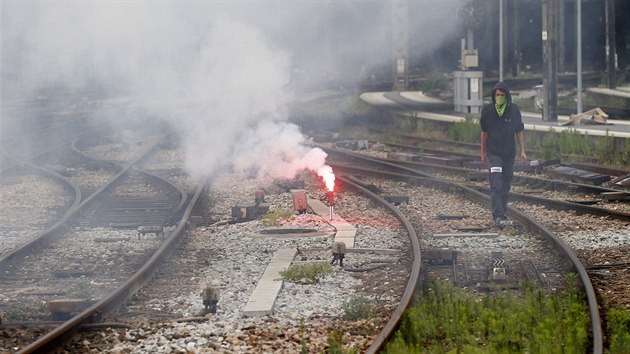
[500, 105]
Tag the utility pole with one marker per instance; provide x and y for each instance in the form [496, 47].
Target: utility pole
[550, 59]
[560, 39]
[500, 40]
[516, 47]
[611, 51]
[579, 56]
[400, 41]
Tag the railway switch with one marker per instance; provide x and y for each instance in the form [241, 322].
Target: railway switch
[299, 200]
[397, 199]
[498, 267]
[210, 299]
[64, 309]
[248, 211]
[339, 252]
[150, 229]
[440, 256]
[259, 196]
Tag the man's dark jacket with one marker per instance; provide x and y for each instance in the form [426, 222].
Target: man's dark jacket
[500, 130]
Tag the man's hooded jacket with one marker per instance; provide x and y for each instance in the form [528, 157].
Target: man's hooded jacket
[501, 129]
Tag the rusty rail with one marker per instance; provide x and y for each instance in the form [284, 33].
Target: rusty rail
[64, 332]
[531, 224]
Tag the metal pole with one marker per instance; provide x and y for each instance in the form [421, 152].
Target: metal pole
[545, 39]
[579, 56]
[611, 53]
[500, 40]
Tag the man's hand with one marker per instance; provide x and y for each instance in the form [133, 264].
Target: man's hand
[523, 155]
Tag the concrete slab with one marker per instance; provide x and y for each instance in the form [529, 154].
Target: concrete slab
[346, 234]
[349, 241]
[342, 226]
[318, 207]
[345, 231]
[263, 298]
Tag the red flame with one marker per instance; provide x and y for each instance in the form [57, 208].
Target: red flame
[327, 174]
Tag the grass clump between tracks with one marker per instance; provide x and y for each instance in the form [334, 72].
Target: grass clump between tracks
[618, 326]
[447, 319]
[306, 273]
[467, 130]
[276, 217]
[358, 307]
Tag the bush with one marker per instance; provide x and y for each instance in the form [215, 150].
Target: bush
[358, 307]
[435, 84]
[276, 216]
[306, 273]
[550, 145]
[468, 130]
[619, 330]
[606, 148]
[450, 320]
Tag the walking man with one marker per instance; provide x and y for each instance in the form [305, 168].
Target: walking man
[500, 121]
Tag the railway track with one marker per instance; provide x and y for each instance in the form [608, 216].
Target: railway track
[160, 316]
[546, 274]
[481, 259]
[535, 186]
[61, 267]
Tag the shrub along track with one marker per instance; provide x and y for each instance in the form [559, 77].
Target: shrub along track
[244, 338]
[164, 318]
[527, 253]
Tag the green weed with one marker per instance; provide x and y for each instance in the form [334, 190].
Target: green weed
[468, 130]
[306, 273]
[276, 216]
[358, 307]
[618, 326]
[435, 84]
[449, 320]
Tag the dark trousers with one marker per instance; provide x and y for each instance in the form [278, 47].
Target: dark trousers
[501, 171]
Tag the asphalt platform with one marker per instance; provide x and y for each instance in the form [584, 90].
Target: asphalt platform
[415, 103]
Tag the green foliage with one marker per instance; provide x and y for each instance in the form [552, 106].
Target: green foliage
[622, 158]
[550, 145]
[410, 123]
[276, 216]
[618, 326]
[606, 148]
[335, 344]
[356, 106]
[468, 130]
[389, 136]
[574, 143]
[434, 84]
[82, 291]
[358, 307]
[306, 273]
[449, 320]
[12, 313]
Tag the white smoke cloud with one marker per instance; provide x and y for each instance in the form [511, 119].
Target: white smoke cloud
[276, 150]
[218, 71]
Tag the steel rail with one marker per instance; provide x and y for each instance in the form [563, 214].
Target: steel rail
[59, 227]
[518, 179]
[406, 298]
[529, 223]
[26, 247]
[64, 332]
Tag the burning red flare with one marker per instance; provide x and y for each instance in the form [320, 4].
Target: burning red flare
[327, 174]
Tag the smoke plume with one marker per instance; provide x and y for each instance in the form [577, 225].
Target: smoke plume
[221, 73]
